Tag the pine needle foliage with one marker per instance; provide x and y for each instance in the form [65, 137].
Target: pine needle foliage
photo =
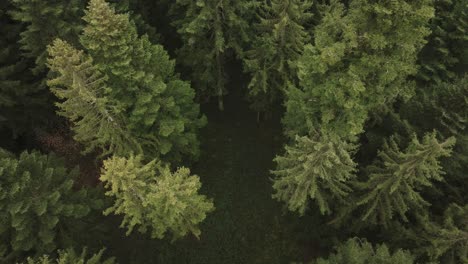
[45, 21]
[154, 199]
[359, 62]
[396, 178]
[448, 239]
[209, 29]
[317, 167]
[445, 56]
[23, 103]
[280, 39]
[69, 256]
[357, 251]
[36, 199]
[155, 103]
[82, 89]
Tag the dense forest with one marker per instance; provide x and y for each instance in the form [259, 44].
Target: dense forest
[234, 131]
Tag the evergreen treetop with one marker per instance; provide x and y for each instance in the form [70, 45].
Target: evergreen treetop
[357, 251]
[45, 21]
[209, 29]
[16, 91]
[154, 199]
[396, 178]
[97, 122]
[448, 239]
[359, 62]
[69, 256]
[37, 198]
[280, 39]
[155, 103]
[317, 167]
[445, 56]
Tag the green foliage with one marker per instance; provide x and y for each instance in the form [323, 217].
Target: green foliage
[209, 28]
[355, 251]
[97, 122]
[151, 197]
[359, 62]
[448, 239]
[20, 102]
[155, 103]
[279, 42]
[36, 200]
[69, 256]
[396, 178]
[442, 107]
[319, 168]
[45, 21]
[446, 103]
[446, 55]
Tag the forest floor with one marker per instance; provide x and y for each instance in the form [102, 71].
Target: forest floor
[248, 226]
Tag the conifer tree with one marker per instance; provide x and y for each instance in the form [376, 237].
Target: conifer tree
[22, 102]
[445, 55]
[447, 240]
[154, 199]
[209, 29]
[317, 167]
[37, 199]
[157, 105]
[397, 177]
[45, 21]
[442, 107]
[280, 40]
[69, 256]
[97, 122]
[359, 62]
[15, 93]
[357, 251]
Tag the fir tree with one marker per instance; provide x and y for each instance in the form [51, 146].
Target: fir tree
[442, 107]
[445, 55]
[45, 21]
[97, 123]
[356, 251]
[280, 40]
[37, 199]
[69, 256]
[397, 177]
[359, 62]
[448, 240]
[20, 102]
[319, 168]
[154, 199]
[209, 29]
[156, 104]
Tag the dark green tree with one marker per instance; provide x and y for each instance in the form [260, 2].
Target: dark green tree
[280, 39]
[447, 239]
[445, 55]
[69, 256]
[317, 167]
[359, 62]
[37, 198]
[397, 177]
[357, 251]
[20, 101]
[442, 107]
[82, 89]
[45, 21]
[154, 199]
[156, 104]
[209, 29]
